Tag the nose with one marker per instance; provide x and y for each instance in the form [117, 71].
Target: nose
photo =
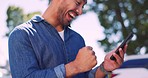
[79, 11]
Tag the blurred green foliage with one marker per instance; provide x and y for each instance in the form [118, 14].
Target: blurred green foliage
[16, 16]
[119, 18]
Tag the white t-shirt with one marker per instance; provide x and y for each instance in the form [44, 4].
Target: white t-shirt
[61, 33]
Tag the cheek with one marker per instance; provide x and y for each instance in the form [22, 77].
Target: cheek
[62, 16]
[69, 5]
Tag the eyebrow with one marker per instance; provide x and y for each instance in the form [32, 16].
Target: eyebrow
[85, 1]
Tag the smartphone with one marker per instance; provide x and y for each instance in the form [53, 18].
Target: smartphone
[127, 39]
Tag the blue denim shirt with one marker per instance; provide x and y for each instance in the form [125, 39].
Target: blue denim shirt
[37, 51]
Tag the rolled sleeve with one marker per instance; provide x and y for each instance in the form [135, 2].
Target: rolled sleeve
[60, 71]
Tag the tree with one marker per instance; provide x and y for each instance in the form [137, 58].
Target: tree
[16, 16]
[120, 17]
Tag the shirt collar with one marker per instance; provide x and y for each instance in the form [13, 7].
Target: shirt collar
[37, 18]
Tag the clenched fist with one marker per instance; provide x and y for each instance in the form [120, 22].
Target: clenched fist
[85, 61]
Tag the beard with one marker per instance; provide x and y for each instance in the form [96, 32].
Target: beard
[61, 18]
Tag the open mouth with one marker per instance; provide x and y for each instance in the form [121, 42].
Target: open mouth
[72, 15]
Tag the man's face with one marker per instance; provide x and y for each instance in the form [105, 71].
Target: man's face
[68, 11]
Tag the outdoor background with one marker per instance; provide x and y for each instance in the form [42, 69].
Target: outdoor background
[104, 24]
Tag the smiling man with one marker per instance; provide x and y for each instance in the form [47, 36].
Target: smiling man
[45, 46]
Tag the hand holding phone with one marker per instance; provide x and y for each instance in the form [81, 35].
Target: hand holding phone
[128, 38]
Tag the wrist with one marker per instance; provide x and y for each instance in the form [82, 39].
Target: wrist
[104, 70]
[71, 69]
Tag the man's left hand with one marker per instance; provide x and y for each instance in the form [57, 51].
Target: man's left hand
[110, 65]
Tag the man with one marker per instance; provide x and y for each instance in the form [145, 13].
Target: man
[45, 47]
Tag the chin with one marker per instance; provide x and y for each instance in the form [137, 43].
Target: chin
[67, 23]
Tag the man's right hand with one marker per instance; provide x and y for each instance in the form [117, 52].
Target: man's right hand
[85, 61]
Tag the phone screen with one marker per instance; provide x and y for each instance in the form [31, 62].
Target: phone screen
[127, 39]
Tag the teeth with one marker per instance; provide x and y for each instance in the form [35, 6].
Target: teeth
[72, 15]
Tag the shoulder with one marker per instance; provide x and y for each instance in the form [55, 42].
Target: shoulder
[22, 31]
[28, 27]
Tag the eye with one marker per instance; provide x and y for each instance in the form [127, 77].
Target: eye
[78, 3]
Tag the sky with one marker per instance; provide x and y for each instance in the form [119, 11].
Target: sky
[87, 25]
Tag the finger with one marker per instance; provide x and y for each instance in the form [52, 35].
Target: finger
[89, 47]
[121, 53]
[119, 60]
[93, 52]
[95, 61]
[125, 48]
